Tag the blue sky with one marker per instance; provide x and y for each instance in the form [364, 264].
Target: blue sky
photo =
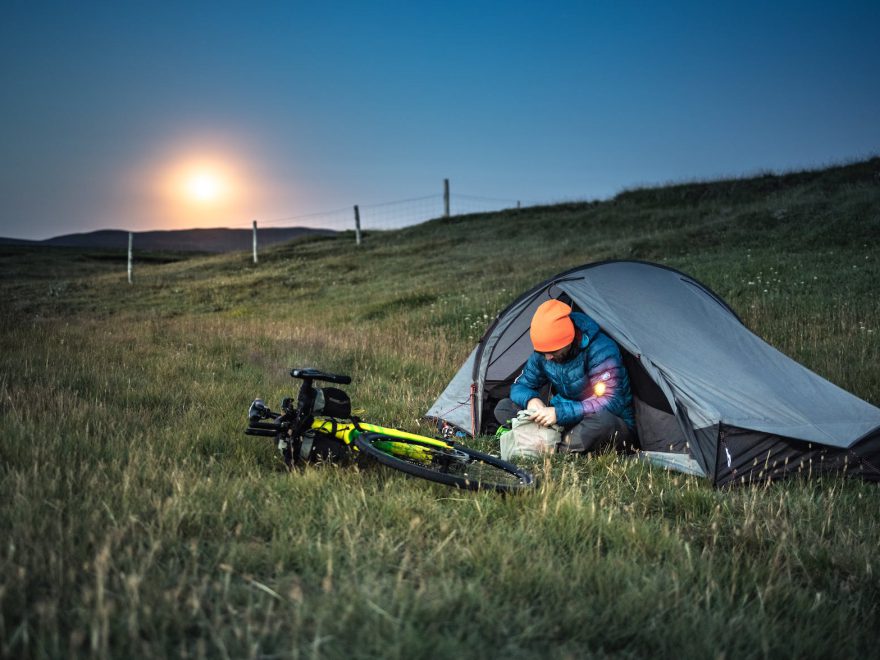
[314, 106]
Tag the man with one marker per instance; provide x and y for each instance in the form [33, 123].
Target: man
[592, 399]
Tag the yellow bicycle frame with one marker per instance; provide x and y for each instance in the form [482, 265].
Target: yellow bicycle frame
[347, 432]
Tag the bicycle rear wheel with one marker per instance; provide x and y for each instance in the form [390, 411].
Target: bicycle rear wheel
[456, 465]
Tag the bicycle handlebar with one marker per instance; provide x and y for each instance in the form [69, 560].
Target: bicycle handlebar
[315, 374]
[290, 424]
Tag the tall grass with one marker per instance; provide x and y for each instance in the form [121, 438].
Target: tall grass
[136, 519]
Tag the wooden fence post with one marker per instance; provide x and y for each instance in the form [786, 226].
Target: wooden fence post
[130, 242]
[255, 241]
[357, 225]
[445, 198]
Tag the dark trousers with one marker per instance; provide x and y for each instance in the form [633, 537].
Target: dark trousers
[592, 433]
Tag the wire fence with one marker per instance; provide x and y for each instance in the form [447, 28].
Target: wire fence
[373, 217]
[396, 214]
[466, 204]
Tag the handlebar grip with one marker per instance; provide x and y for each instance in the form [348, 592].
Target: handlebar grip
[314, 374]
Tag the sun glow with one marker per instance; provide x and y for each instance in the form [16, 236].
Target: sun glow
[204, 187]
[199, 185]
[205, 190]
[204, 184]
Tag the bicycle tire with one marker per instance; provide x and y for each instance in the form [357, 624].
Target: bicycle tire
[458, 466]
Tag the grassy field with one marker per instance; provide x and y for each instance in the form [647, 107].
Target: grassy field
[137, 521]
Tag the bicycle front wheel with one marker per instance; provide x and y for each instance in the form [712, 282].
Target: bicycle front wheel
[452, 465]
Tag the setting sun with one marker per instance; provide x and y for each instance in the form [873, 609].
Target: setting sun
[204, 190]
[204, 187]
[194, 184]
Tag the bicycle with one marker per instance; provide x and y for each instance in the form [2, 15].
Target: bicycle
[319, 425]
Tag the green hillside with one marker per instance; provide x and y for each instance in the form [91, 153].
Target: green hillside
[138, 521]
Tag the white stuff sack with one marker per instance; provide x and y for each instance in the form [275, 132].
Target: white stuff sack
[526, 439]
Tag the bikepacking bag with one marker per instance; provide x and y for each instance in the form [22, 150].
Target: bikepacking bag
[317, 446]
[527, 439]
[332, 402]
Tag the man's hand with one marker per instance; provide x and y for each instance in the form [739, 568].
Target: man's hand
[535, 404]
[546, 416]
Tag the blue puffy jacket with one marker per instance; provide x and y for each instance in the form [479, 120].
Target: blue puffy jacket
[592, 380]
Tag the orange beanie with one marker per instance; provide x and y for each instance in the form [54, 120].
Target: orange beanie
[552, 328]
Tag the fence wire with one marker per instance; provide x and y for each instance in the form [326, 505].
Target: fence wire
[465, 204]
[396, 214]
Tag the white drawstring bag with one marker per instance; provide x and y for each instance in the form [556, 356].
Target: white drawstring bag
[526, 439]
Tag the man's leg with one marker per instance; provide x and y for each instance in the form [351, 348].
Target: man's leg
[594, 432]
[505, 411]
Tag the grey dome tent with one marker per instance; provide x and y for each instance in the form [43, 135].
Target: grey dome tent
[711, 397]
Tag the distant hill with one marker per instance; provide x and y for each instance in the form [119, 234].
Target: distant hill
[182, 240]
